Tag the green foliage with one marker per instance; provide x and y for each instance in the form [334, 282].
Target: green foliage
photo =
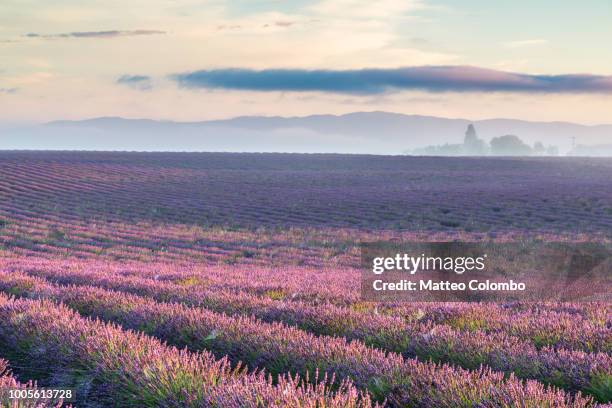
[275, 294]
[56, 234]
[190, 281]
[601, 387]
[379, 388]
[543, 340]
[468, 323]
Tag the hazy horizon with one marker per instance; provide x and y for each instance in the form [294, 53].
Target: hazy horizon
[271, 116]
[357, 132]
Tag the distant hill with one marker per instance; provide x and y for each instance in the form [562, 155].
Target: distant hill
[360, 132]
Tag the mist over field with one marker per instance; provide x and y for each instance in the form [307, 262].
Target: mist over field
[361, 132]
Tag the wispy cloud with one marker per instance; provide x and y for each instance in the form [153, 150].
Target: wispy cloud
[8, 90]
[375, 81]
[96, 34]
[229, 27]
[284, 23]
[140, 82]
[276, 24]
[525, 43]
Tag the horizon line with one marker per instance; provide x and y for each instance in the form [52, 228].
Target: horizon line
[266, 116]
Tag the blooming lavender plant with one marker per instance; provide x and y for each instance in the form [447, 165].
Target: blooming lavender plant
[276, 347]
[110, 366]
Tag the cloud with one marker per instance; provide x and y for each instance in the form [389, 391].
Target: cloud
[376, 81]
[284, 23]
[140, 82]
[419, 41]
[235, 27]
[229, 27]
[8, 90]
[525, 43]
[96, 34]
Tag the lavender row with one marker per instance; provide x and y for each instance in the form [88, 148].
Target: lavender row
[571, 370]
[110, 366]
[280, 349]
[542, 326]
[583, 327]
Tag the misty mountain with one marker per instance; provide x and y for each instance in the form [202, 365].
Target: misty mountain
[360, 132]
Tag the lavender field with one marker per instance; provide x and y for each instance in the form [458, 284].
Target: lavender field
[232, 280]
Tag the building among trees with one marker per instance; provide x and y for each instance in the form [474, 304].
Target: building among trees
[507, 145]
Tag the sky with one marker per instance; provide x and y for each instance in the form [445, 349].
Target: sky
[192, 60]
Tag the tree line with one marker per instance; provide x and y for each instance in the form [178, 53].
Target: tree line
[507, 145]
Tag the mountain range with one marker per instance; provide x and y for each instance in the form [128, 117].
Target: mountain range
[359, 132]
